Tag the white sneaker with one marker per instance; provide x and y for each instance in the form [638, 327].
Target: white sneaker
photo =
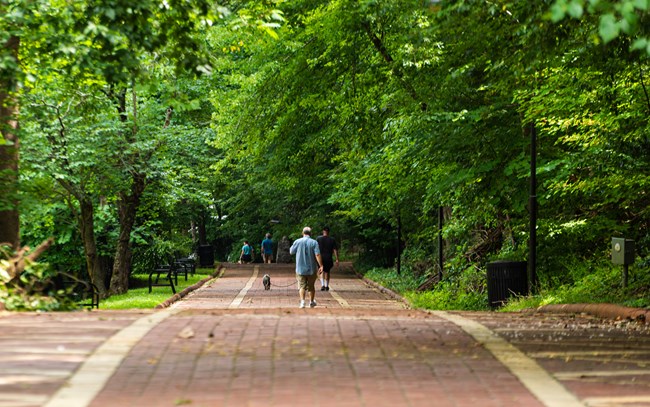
[312, 304]
[302, 304]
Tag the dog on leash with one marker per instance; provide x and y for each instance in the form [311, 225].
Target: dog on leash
[266, 280]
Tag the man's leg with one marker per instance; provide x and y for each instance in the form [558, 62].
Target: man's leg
[312, 289]
[302, 283]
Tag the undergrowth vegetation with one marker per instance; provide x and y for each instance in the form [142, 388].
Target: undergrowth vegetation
[583, 283]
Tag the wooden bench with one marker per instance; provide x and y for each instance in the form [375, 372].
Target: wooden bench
[92, 296]
[185, 265]
[169, 272]
[84, 293]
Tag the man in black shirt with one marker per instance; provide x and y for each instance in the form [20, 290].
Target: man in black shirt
[328, 249]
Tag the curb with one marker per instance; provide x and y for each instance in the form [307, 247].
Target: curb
[611, 311]
[382, 289]
[178, 296]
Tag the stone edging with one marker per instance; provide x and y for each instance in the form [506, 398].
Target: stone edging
[178, 296]
[382, 289]
[612, 311]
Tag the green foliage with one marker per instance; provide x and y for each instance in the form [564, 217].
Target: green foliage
[617, 18]
[34, 289]
[589, 282]
[356, 114]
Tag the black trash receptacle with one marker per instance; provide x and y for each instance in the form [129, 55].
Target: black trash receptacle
[505, 279]
[206, 255]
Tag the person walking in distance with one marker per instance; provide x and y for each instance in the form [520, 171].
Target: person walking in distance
[308, 265]
[246, 255]
[267, 249]
[328, 251]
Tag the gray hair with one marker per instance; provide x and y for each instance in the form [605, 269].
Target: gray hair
[306, 230]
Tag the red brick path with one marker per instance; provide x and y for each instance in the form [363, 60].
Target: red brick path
[356, 348]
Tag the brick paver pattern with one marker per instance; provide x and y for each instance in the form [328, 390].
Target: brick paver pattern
[366, 350]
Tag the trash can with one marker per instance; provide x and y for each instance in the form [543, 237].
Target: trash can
[505, 279]
[206, 255]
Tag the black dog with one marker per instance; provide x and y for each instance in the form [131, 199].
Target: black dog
[266, 280]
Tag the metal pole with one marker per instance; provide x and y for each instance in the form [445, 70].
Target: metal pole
[399, 244]
[532, 205]
[441, 262]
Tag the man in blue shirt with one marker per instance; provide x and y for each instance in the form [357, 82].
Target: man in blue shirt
[308, 265]
[246, 255]
[267, 249]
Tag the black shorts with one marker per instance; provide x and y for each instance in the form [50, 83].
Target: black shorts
[327, 265]
[246, 257]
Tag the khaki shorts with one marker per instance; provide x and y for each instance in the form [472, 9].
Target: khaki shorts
[307, 282]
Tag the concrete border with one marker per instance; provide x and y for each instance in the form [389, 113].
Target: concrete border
[178, 296]
[549, 391]
[84, 385]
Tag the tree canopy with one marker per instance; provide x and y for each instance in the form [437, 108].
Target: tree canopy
[149, 129]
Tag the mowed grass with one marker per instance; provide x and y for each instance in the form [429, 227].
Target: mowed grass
[138, 297]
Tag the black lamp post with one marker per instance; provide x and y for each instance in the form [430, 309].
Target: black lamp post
[532, 207]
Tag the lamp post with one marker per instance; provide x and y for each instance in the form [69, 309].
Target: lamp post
[532, 207]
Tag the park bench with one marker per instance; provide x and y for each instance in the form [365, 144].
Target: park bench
[185, 265]
[169, 272]
[82, 292]
[89, 296]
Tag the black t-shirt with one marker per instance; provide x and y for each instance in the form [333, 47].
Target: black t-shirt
[327, 245]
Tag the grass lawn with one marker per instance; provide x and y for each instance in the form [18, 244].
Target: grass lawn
[139, 296]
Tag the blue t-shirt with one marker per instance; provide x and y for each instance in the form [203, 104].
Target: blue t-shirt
[305, 250]
[267, 246]
[246, 249]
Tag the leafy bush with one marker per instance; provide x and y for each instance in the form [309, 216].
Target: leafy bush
[34, 290]
[159, 250]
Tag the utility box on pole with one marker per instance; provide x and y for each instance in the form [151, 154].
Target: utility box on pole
[623, 253]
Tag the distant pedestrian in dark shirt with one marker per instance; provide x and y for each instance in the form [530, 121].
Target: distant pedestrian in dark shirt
[328, 251]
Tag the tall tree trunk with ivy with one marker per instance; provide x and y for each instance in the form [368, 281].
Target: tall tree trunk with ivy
[128, 201]
[87, 228]
[128, 204]
[9, 146]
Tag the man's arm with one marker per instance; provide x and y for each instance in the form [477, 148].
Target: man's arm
[320, 263]
[293, 248]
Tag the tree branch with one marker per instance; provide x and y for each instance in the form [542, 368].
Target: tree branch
[645, 90]
[18, 262]
[383, 51]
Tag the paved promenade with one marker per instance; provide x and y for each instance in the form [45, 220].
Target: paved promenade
[231, 343]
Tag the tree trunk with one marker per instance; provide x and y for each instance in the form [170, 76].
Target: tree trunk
[127, 209]
[203, 235]
[9, 147]
[87, 228]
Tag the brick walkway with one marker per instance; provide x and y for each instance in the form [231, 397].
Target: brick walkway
[232, 343]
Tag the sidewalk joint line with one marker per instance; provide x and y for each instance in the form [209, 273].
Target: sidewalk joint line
[240, 297]
[538, 381]
[86, 383]
[339, 299]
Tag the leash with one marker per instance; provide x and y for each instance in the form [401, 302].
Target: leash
[284, 286]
